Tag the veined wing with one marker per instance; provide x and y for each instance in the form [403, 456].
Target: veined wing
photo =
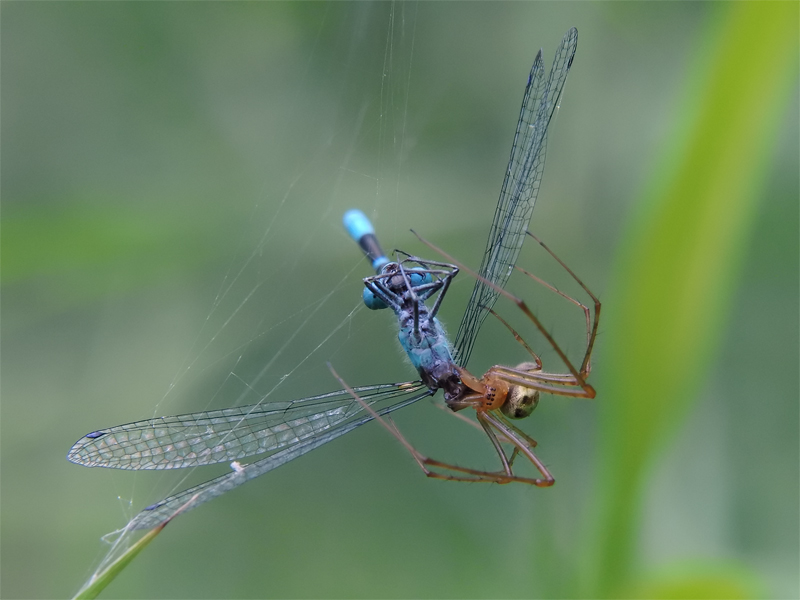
[190, 498]
[519, 191]
[205, 438]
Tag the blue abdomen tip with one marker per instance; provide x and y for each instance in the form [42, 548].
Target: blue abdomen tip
[357, 224]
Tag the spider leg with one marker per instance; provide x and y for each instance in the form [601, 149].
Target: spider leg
[486, 424]
[460, 416]
[592, 333]
[518, 337]
[513, 435]
[551, 383]
[518, 432]
[585, 366]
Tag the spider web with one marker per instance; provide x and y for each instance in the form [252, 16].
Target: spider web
[289, 298]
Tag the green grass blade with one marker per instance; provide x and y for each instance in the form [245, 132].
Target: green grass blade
[98, 582]
[678, 266]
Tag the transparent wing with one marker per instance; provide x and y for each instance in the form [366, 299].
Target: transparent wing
[205, 438]
[520, 188]
[190, 498]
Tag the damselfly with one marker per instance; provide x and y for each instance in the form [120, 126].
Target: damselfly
[289, 429]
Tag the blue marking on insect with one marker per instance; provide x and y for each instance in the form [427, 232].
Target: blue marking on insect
[372, 301]
[361, 230]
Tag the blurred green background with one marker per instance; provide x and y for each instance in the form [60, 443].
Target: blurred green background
[173, 178]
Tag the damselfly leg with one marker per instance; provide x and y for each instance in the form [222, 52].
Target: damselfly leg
[402, 282]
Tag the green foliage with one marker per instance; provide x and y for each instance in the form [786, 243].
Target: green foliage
[100, 580]
[698, 580]
[678, 265]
